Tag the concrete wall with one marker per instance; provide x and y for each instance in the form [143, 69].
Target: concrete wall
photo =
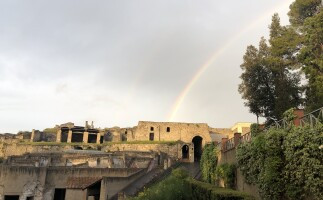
[41, 182]
[58, 175]
[23, 181]
[75, 194]
[110, 186]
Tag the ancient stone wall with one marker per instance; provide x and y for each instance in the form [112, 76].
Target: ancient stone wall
[29, 184]
[169, 131]
[173, 150]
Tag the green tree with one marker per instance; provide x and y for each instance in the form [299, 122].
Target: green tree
[311, 58]
[302, 9]
[270, 82]
[306, 17]
[282, 62]
[257, 86]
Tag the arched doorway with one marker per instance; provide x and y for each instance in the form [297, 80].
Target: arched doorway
[185, 152]
[197, 141]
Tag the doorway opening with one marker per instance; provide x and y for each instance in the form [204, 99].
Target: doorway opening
[59, 194]
[151, 136]
[92, 138]
[197, 141]
[77, 137]
[185, 152]
[93, 191]
[64, 136]
[11, 197]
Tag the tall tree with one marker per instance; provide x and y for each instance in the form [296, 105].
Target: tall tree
[284, 43]
[270, 83]
[311, 58]
[302, 9]
[307, 18]
[257, 85]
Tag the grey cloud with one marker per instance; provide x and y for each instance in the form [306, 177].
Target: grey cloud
[120, 61]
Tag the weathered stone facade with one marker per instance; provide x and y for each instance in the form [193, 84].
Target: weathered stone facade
[75, 162]
[170, 131]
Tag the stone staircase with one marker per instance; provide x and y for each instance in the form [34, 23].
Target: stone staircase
[156, 175]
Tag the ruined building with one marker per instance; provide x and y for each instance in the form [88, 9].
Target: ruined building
[83, 162]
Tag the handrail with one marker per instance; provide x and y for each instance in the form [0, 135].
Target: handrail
[312, 118]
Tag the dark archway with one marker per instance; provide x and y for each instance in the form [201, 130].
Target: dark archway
[197, 141]
[185, 152]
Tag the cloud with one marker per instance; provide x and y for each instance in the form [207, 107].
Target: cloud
[118, 62]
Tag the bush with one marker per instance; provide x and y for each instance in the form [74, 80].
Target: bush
[284, 163]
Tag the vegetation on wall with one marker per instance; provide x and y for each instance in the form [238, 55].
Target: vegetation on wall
[212, 172]
[208, 164]
[284, 163]
[227, 173]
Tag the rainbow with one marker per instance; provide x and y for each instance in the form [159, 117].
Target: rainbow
[217, 53]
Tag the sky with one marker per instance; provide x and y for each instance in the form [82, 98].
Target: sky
[119, 62]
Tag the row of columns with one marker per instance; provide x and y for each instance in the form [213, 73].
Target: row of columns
[85, 136]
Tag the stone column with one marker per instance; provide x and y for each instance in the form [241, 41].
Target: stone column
[59, 135]
[32, 135]
[191, 153]
[236, 139]
[103, 189]
[98, 138]
[69, 136]
[223, 144]
[85, 137]
[299, 114]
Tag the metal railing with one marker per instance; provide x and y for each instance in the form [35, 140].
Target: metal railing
[312, 118]
[229, 144]
[245, 137]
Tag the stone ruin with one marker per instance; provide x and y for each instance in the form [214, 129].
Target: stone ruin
[83, 162]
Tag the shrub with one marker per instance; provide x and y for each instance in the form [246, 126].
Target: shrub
[285, 163]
